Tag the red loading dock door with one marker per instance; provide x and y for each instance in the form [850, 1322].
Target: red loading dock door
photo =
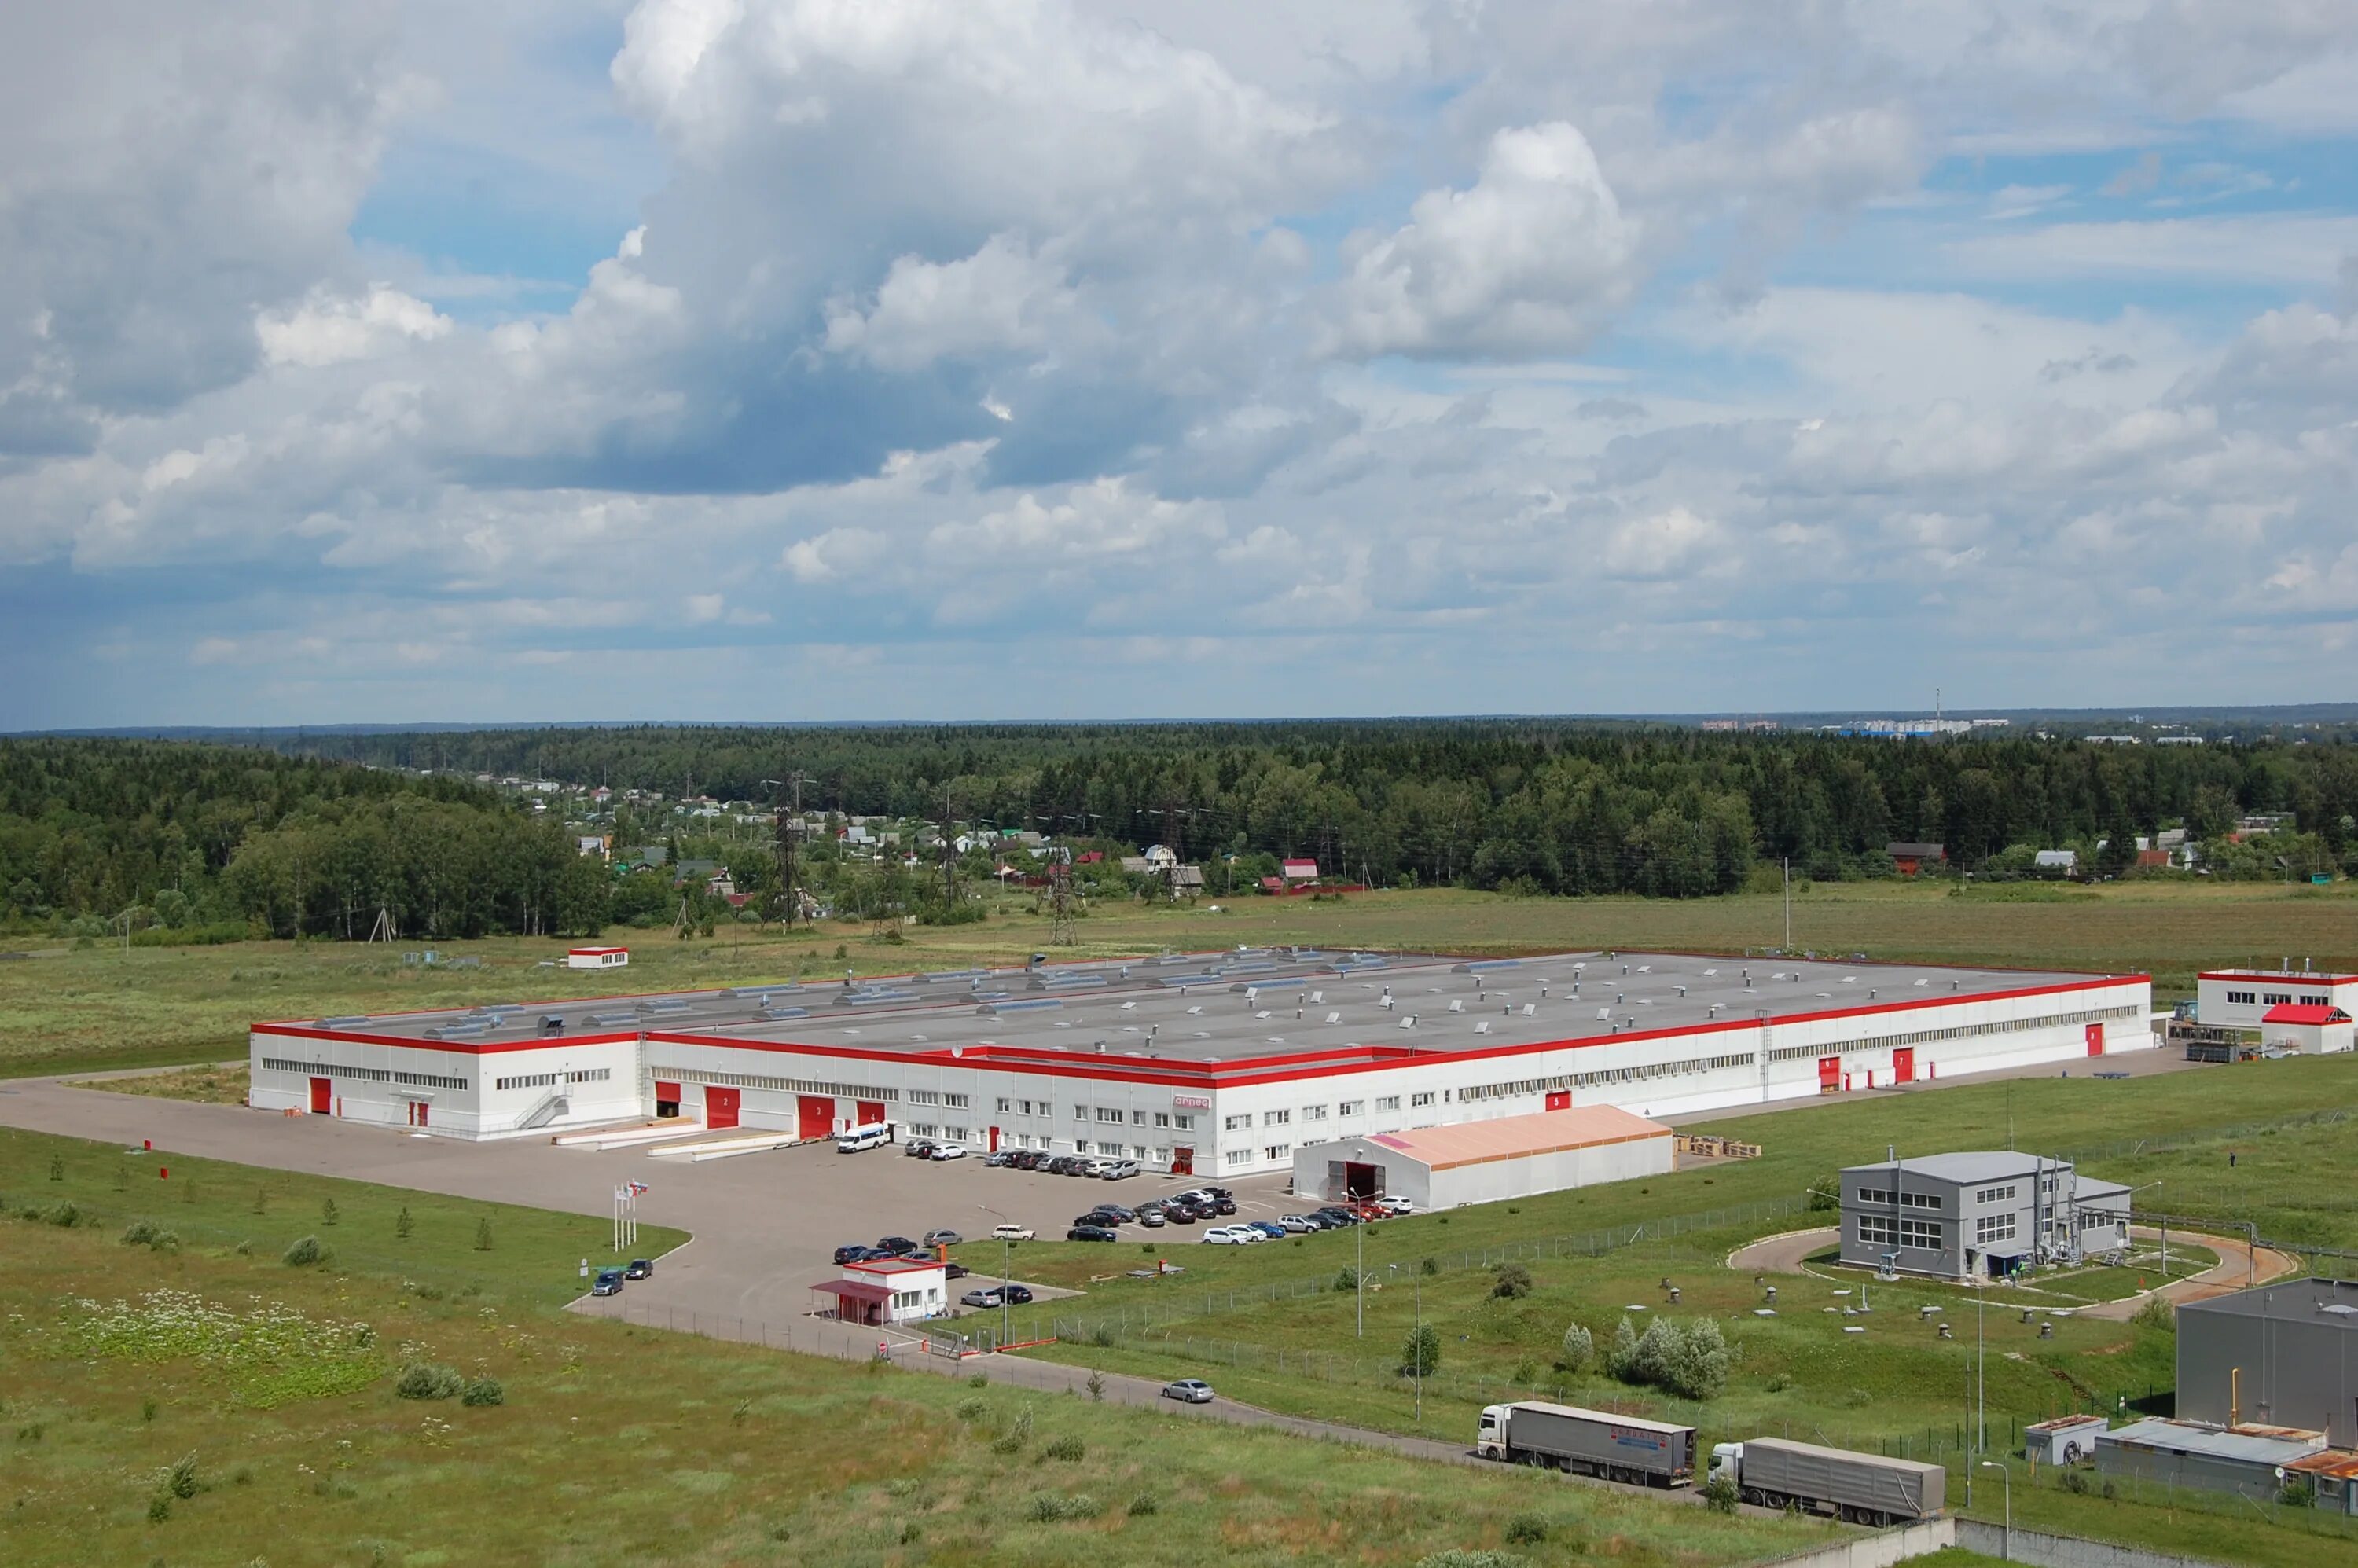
[814, 1115]
[1903, 1064]
[320, 1090]
[1559, 1099]
[2096, 1040]
[719, 1106]
[872, 1111]
[1182, 1161]
[1829, 1075]
[666, 1098]
[994, 1143]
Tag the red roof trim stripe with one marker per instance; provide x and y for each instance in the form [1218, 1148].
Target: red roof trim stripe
[2257, 976]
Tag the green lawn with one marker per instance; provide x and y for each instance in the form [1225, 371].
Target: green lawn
[617, 1445]
[73, 1008]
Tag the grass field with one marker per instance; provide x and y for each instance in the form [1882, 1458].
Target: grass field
[616, 1444]
[70, 1008]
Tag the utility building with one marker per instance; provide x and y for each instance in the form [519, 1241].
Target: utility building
[2284, 1355]
[1484, 1162]
[2241, 999]
[1993, 1213]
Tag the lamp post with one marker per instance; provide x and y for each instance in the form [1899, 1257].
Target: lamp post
[1359, 1274]
[1006, 1264]
[2008, 1477]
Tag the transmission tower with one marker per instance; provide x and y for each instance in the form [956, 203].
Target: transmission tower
[1060, 899]
[949, 855]
[789, 832]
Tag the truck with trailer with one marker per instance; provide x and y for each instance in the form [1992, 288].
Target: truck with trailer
[1588, 1443]
[1859, 1488]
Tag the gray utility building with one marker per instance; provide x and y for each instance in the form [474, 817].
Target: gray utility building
[1993, 1213]
[2284, 1355]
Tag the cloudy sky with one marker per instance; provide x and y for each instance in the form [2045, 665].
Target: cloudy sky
[799, 359]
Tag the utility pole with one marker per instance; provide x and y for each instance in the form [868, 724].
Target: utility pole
[949, 854]
[1060, 898]
[1788, 903]
[789, 831]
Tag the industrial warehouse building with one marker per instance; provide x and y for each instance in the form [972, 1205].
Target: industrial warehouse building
[2284, 1355]
[1484, 1162]
[1995, 1213]
[2241, 999]
[1204, 1064]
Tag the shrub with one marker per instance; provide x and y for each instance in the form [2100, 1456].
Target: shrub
[403, 1224]
[147, 1410]
[246, 1249]
[1101, 1335]
[139, 1233]
[62, 1214]
[1579, 1347]
[1429, 1268]
[328, 1211]
[180, 1480]
[1142, 1505]
[159, 1508]
[1527, 1529]
[1346, 1281]
[970, 1410]
[2157, 1312]
[978, 1381]
[1068, 1448]
[1421, 1352]
[1459, 1557]
[428, 1380]
[1007, 1443]
[2073, 1481]
[1690, 1359]
[1513, 1281]
[483, 1234]
[1049, 1508]
[1719, 1493]
[306, 1252]
[1097, 1386]
[485, 1392]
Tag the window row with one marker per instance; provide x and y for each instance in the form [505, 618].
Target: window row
[1905, 1200]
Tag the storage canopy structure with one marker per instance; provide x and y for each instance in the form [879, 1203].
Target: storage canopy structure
[1483, 1162]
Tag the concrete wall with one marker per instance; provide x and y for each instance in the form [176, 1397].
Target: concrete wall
[1880, 1550]
[2046, 1550]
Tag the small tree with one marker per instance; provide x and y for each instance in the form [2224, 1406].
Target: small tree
[1621, 1361]
[403, 1224]
[1096, 1385]
[1514, 1280]
[261, 1200]
[329, 1214]
[1578, 1346]
[483, 1234]
[1421, 1352]
[57, 1167]
[1346, 1280]
[1719, 1493]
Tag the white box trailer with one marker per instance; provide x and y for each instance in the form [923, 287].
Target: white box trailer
[1858, 1488]
[1588, 1443]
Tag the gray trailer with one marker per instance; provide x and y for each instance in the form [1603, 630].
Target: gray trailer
[1861, 1488]
[1588, 1443]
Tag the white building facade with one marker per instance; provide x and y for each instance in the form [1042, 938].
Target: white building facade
[2241, 999]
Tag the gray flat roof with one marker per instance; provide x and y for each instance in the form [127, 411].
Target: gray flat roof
[2333, 1301]
[2183, 1437]
[1963, 1168]
[1246, 1003]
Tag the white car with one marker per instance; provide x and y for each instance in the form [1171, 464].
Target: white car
[947, 1152]
[1010, 1233]
[1298, 1224]
[1192, 1390]
[1395, 1205]
[1232, 1235]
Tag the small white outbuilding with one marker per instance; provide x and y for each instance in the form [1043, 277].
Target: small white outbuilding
[1485, 1162]
[2312, 1028]
[597, 957]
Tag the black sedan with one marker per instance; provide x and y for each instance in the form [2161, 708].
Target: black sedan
[896, 1246]
[854, 1253]
[640, 1268]
[1092, 1233]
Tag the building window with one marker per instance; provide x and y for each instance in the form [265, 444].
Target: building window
[1424, 1099]
[955, 1134]
[1910, 1200]
[1137, 1118]
[1923, 1233]
[1388, 1102]
[1276, 1118]
[924, 1096]
[1109, 1113]
[1005, 1106]
[1162, 1119]
[1351, 1108]
[1080, 1113]
[1184, 1123]
[1313, 1113]
[1995, 1195]
[2239, 995]
[924, 1129]
[958, 1100]
[1279, 1151]
[1877, 1230]
[1239, 1123]
[2276, 997]
[1991, 1227]
[1238, 1156]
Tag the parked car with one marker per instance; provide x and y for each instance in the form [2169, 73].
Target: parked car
[1118, 1211]
[1000, 1157]
[1192, 1390]
[1395, 1205]
[1299, 1224]
[1232, 1235]
[1268, 1227]
[854, 1253]
[1371, 1212]
[1017, 1295]
[1121, 1171]
[1151, 1218]
[986, 1298]
[1091, 1233]
[609, 1282]
[639, 1269]
[896, 1246]
[943, 1238]
[1059, 1166]
[918, 1147]
[1194, 1195]
[1334, 1215]
[955, 1270]
[1182, 1213]
[1219, 1192]
[1098, 1216]
[947, 1152]
[1010, 1233]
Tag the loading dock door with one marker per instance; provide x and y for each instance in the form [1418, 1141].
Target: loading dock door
[320, 1090]
[814, 1115]
[1182, 1161]
[1829, 1075]
[1559, 1099]
[994, 1143]
[719, 1106]
[1903, 1064]
[2096, 1040]
[666, 1098]
[872, 1111]
[1362, 1181]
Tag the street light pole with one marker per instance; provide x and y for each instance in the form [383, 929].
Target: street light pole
[1359, 1274]
[1006, 1266]
[2008, 1477]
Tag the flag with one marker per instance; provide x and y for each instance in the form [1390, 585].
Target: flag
[639, 1187]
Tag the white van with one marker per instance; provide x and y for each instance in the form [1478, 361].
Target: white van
[867, 1137]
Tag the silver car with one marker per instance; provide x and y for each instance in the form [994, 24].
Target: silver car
[1190, 1390]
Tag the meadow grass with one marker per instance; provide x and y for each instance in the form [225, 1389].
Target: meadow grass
[73, 1008]
[618, 1444]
